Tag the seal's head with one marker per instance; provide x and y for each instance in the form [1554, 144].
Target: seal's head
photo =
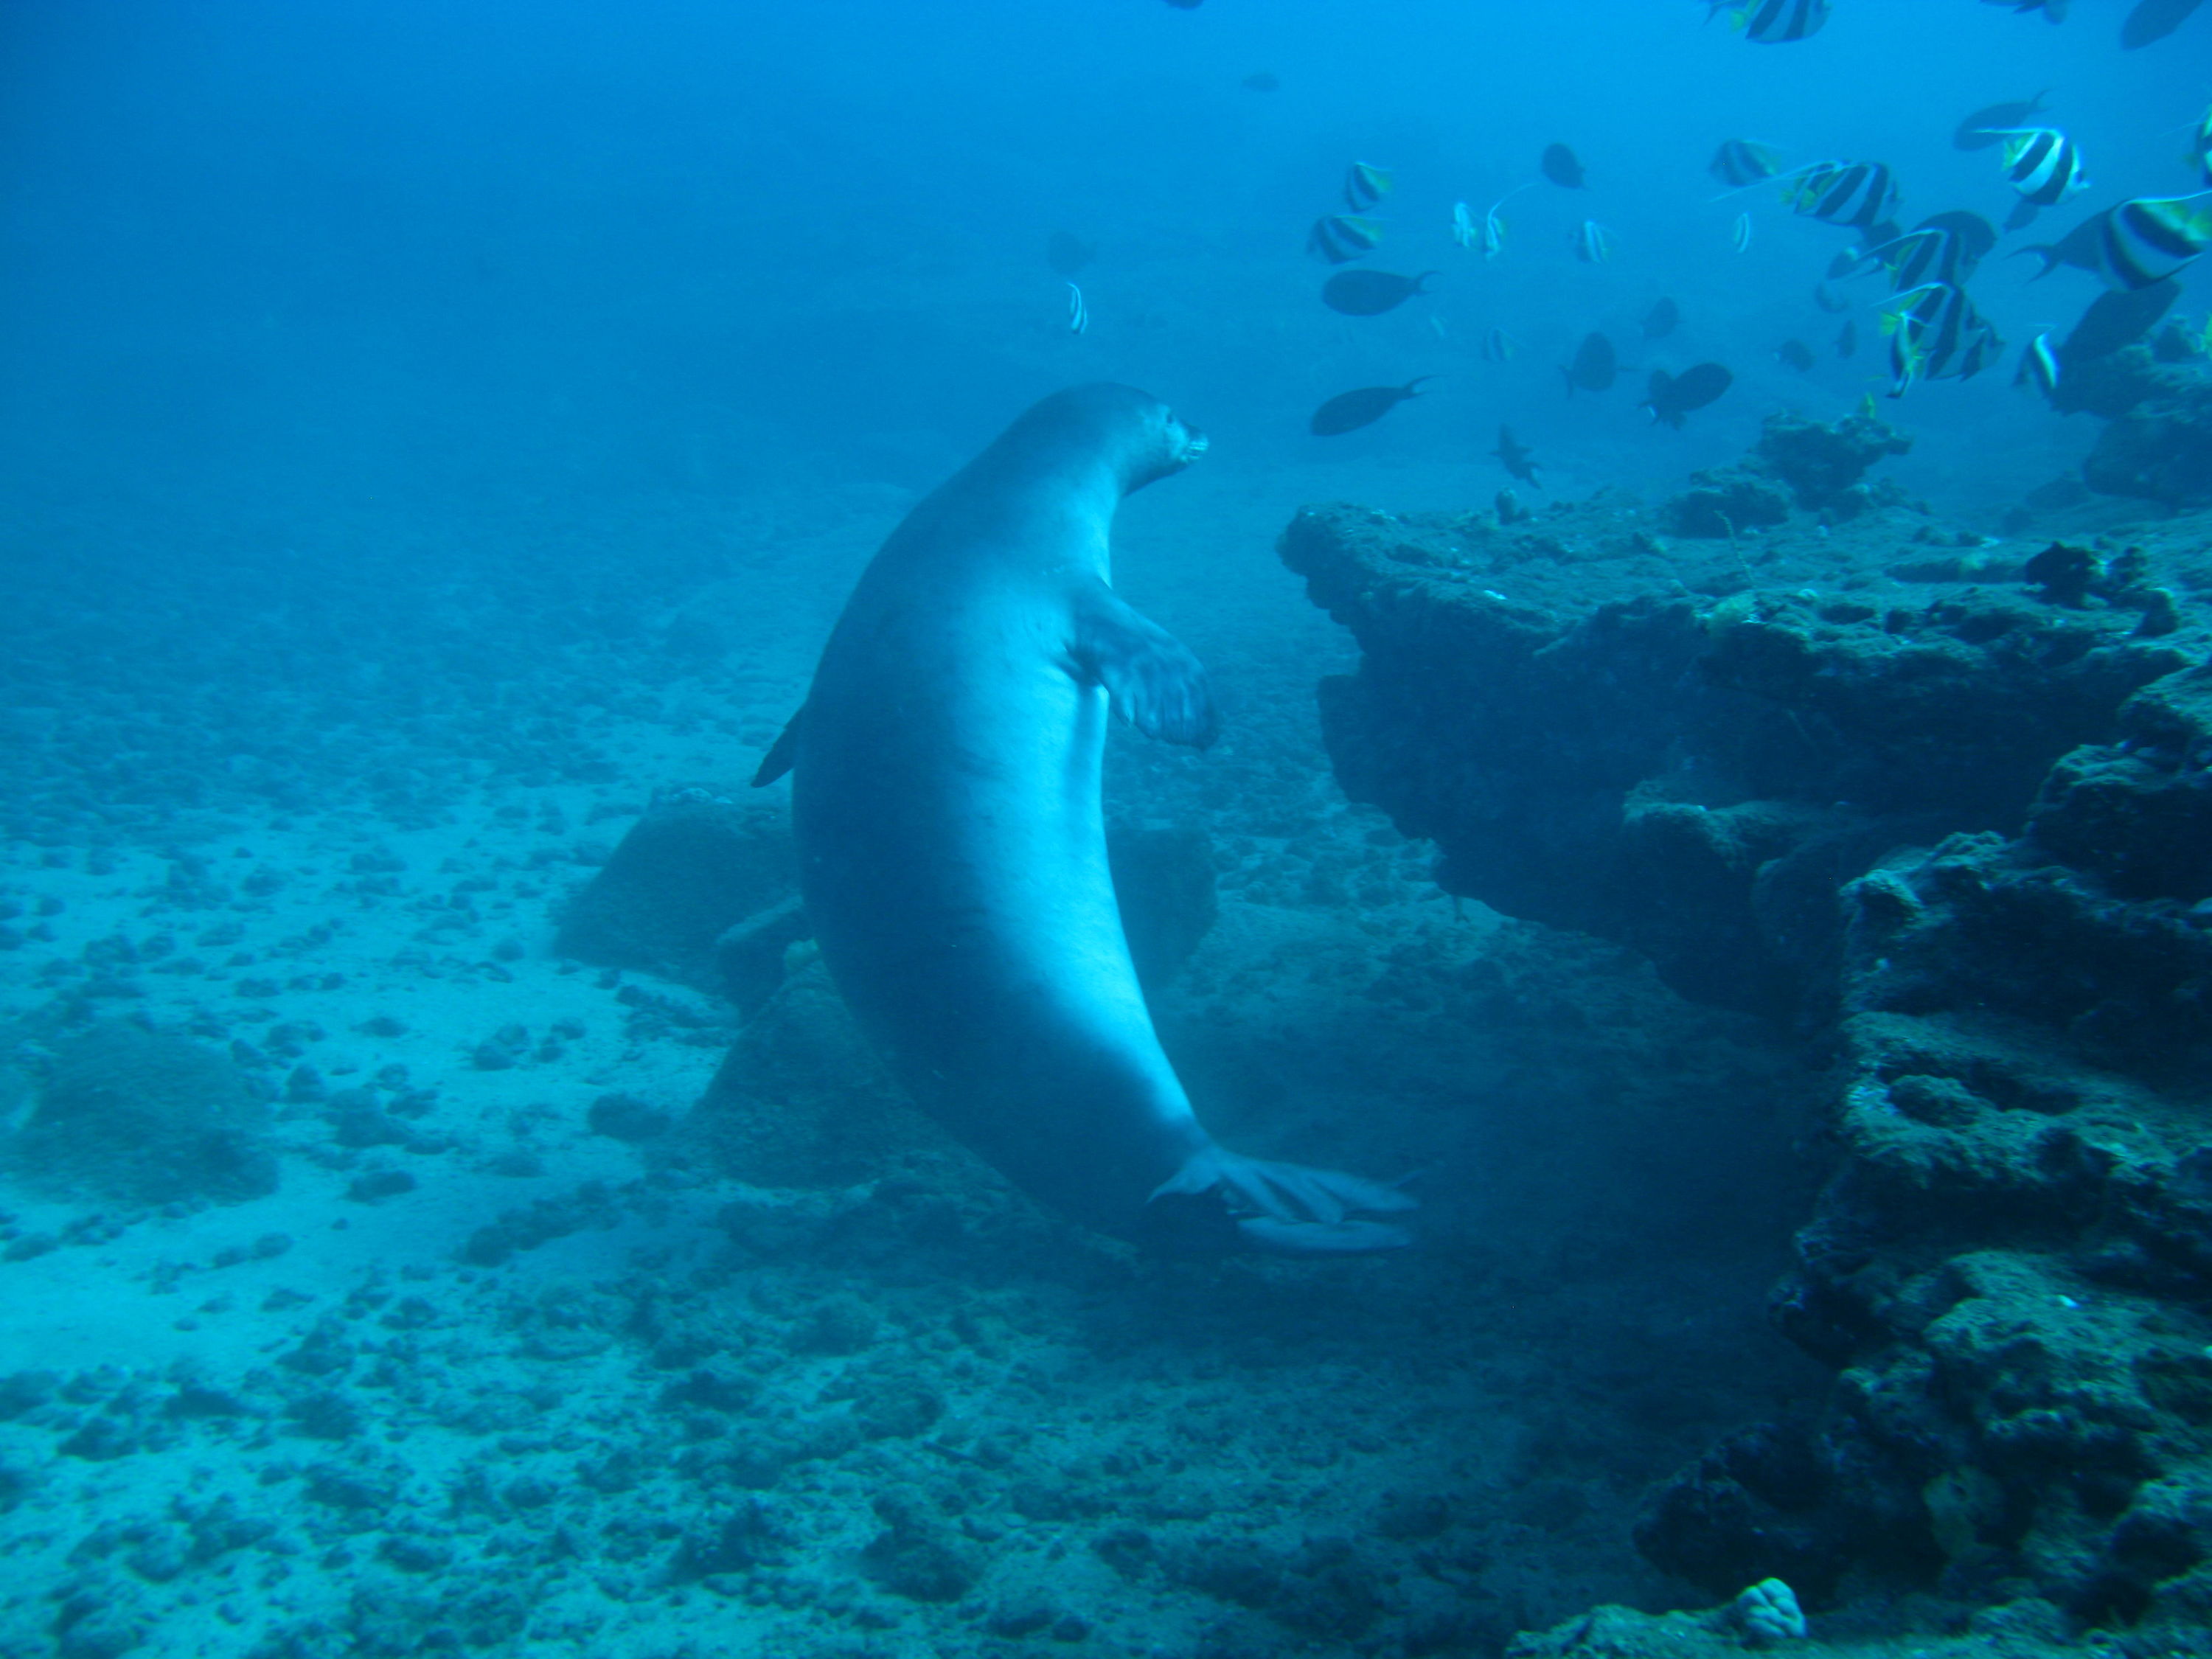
[1132, 434]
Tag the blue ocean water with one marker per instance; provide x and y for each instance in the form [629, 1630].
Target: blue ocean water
[435, 437]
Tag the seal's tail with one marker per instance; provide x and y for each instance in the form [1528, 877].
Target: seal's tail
[1292, 1208]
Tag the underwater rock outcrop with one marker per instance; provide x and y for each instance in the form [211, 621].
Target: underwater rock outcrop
[1687, 748]
[2160, 449]
[121, 1112]
[2156, 400]
[1796, 463]
[699, 862]
[2012, 1265]
[1959, 805]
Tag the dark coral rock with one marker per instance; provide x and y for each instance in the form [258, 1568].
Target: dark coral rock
[916, 1558]
[2159, 448]
[2139, 814]
[1822, 465]
[1163, 878]
[1724, 501]
[145, 1115]
[1964, 833]
[1796, 462]
[700, 861]
[1592, 747]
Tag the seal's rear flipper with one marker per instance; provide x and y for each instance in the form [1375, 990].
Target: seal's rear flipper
[1292, 1207]
[1157, 684]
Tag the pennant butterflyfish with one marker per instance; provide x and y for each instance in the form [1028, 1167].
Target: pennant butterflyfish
[1593, 242]
[1739, 162]
[1364, 185]
[1772, 22]
[2044, 165]
[2136, 243]
[1855, 194]
[1342, 236]
[1935, 333]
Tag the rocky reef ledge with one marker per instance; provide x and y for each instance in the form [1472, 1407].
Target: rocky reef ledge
[1944, 805]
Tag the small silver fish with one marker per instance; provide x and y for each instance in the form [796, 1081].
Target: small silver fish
[2039, 365]
[1494, 227]
[1593, 242]
[1743, 237]
[1078, 314]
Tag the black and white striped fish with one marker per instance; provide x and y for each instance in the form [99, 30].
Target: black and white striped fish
[2136, 243]
[1770, 22]
[2044, 165]
[1854, 194]
[1078, 314]
[1944, 247]
[1342, 236]
[1935, 333]
[1739, 162]
[1364, 185]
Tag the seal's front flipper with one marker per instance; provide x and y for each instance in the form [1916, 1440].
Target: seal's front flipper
[1156, 683]
[774, 764]
[1290, 1207]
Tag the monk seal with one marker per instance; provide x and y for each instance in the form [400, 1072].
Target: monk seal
[952, 848]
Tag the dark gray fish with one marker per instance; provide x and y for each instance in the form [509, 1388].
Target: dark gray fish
[1662, 320]
[2022, 214]
[1832, 304]
[1673, 396]
[1348, 411]
[1975, 234]
[1595, 366]
[2083, 248]
[1519, 459]
[1980, 130]
[1847, 339]
[1186, 6]
[1562, 167]
[1371, 293]
[2153, 20]
[2054, 11]
[1797, 354]
[2120, 316]
[1262, 81]
[1068, 253]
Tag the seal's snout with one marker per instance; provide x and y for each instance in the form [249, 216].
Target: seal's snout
[1190, 444]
